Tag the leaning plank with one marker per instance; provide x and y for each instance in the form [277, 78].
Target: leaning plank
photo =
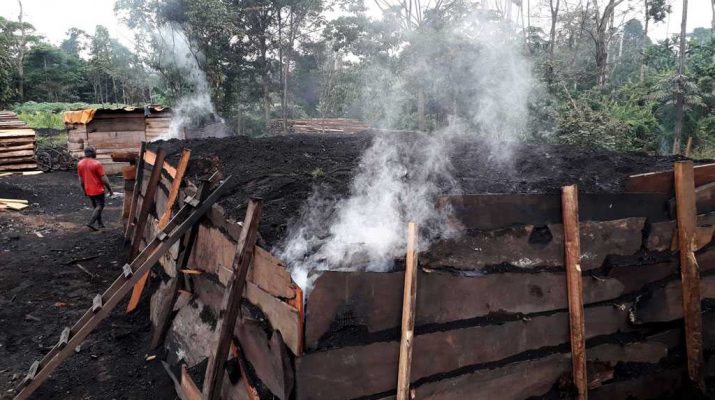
[135, 193]
[188, 387]
[175, 185]
[352, 372]
[528, 247]
[231, 303]
[372, 300]
[271, 275]
[147, 203]
[283, 317]
[663, 182]
[494, 211]
[690, 277]
[150, 158]
[574, 286]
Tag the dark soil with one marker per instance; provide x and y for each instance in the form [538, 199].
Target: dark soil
[42, 290]
[284, 170]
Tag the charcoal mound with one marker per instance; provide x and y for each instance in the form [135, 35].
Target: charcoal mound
[285, 170]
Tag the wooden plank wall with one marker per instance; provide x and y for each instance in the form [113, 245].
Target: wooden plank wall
[268, 292]
[500, 327]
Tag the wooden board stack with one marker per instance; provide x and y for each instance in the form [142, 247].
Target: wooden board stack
[13, 204]
[318, 125]
[17, 143]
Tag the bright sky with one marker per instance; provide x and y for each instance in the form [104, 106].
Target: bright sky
[53, 18]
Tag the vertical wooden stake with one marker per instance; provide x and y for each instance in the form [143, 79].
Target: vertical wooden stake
[231, 304]
[689, 146]
[175, 186]
[135, 195]
[690, 277]
[408, 314]
[572, 260]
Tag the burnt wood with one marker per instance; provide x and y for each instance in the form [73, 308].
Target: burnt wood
[663, 181]
[665, 303]
[352, 372]
[528, 247]
[494, 211]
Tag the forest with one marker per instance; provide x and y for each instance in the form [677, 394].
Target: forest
[595, 77]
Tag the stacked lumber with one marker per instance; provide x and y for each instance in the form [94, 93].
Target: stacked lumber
[17, 144]
[9, 120]
[318, 125]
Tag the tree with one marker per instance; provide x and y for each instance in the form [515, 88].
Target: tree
[655, 10]
[680, 83]
[601, 36]
[554, 8]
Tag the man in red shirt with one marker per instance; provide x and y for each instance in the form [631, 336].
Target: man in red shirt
[93, 181]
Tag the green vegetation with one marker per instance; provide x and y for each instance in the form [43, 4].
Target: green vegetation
[596, 83]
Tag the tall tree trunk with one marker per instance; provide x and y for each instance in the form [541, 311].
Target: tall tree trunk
[554, 8]
[644, 40]
[21, 55]
[712, 25]
[421, 120]
[680, 84]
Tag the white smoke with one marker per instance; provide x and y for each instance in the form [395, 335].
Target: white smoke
[401, 175]
[176, 53]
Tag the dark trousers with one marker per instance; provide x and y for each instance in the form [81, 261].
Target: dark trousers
[98, 205]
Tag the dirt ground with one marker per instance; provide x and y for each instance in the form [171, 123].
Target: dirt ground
[42, 290]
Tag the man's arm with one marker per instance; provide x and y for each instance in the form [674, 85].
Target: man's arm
[105, 181]
[81, 184]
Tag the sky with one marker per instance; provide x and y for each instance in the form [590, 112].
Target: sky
[52, 18]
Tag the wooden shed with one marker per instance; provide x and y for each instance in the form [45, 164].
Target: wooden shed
[109, 130]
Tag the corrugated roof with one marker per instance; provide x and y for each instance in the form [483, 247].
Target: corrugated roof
[86, 115]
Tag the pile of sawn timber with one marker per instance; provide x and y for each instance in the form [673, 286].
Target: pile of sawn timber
[17, 143]
[317, 125]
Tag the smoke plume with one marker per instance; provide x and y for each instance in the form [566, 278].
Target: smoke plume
[486, 92]
[194, 109]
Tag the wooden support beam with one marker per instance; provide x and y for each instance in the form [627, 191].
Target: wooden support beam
[135, 194]
[147, 203]
[175, 186]
[153, 158]
[232, 299]
[685, 212]
[408, 315]
[572, 261]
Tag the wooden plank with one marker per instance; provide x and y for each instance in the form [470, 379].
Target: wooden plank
[690, 277]
[282, 316]
[663, 181]
[664, 303]
[372, 300]
[534, 247]
[136, 192]
[268, 357]
[188, 387]
[17, 153]
[150, 158]
[574, 285]
[271, 275]
[16, 160]
[705, 198]
[494, 211]
[17, 167]
[658, 384]
[408, 314]
[175, 186]
[134, 122]
[5, 148]
[232, 298]
[147, 203]
[356, 371]
[16, 133]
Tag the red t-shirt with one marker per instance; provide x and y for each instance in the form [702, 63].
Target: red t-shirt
[91, 172]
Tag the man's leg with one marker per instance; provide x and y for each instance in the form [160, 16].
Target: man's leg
[95, 214]
[100, 207]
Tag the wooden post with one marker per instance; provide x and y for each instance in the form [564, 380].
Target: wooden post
[690, 277]
[231, 304]
[175, 186]
[408, 315]
[574, 284]
[135, 194]
[147, 203]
